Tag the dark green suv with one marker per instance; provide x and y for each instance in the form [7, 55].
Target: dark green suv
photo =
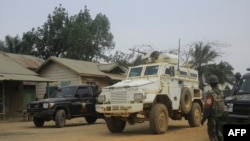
[67, 103]
[238, 104]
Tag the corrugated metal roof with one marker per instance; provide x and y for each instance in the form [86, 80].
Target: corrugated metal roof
[31, 78]
[8, 66]
[84, 68]
[28, 61]
[11, 70]
[116, 76]
[109, 67]
[80, 67]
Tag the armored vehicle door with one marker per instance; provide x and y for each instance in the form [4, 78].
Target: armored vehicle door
[173, 85]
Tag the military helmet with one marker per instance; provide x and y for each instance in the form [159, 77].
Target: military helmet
[213, 79]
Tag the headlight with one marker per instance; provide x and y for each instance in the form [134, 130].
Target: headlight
[48, 105]
[229, 107]
[138, 96]
[102, 98]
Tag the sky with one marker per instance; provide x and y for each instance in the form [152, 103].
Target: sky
[158, 23]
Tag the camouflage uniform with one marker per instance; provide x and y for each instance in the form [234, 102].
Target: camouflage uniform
[213, 112]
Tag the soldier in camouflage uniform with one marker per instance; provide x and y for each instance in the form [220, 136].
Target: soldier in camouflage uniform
[213, 110]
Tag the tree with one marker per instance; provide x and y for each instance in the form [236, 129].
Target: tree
[76, 37]
[223, 70]
[51, 37]
[89, 39]
[202, 54]
[2, 46]
[12, 44]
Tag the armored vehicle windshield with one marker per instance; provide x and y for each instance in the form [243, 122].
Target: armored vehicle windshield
[138, 71]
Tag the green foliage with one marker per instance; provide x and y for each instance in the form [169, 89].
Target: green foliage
[223, 70]
[12, 45]
[126, 60]
[77, 37]
[202, 56]
[2, 46]
[83, 38]
[88, 38]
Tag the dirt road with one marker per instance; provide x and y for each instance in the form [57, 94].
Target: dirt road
[78, 130]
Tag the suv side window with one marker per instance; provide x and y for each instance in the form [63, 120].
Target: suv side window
[83, 92]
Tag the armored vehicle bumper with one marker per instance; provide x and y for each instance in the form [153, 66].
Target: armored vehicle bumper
[119, 109]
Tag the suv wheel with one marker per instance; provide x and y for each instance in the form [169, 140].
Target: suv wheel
[38, 122]
[60, 118]
[90, 119]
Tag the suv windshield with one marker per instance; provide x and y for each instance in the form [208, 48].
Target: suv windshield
[65, 92]
[244, 86]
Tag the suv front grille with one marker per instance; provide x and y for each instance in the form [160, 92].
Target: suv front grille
[36, 106]
[241, 108]
[118, 97]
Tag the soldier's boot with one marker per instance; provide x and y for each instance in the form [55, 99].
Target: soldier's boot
[220, 138]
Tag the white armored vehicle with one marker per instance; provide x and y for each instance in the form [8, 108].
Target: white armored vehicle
[154, 92]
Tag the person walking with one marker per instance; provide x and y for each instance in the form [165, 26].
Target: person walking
[214, 110]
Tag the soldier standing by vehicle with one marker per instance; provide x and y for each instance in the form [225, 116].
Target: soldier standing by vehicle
[213, 110]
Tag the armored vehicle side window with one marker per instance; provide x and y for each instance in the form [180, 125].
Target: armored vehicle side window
[167, 71]
[135, 72]
[183, 73]
[151, 70]
[193, 75]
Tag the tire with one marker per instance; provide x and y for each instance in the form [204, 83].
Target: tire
[90, 119]
[60, 118]
[186, 101]
[115, 125]
[38, 122]
[194, 116]
[158, 119]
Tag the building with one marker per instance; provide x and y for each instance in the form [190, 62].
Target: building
[17, 85]
[70, 72]
[25, 78]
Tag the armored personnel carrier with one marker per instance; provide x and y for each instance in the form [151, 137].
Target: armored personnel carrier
[155, 91]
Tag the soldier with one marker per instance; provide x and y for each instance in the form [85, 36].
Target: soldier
[237, 83]
[213, 110]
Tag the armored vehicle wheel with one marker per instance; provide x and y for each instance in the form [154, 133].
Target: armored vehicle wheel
[158, 119]
[60, 118]
[194, 116]
[186, 100]
[115, 125]
[38, 122]
[90, 119]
